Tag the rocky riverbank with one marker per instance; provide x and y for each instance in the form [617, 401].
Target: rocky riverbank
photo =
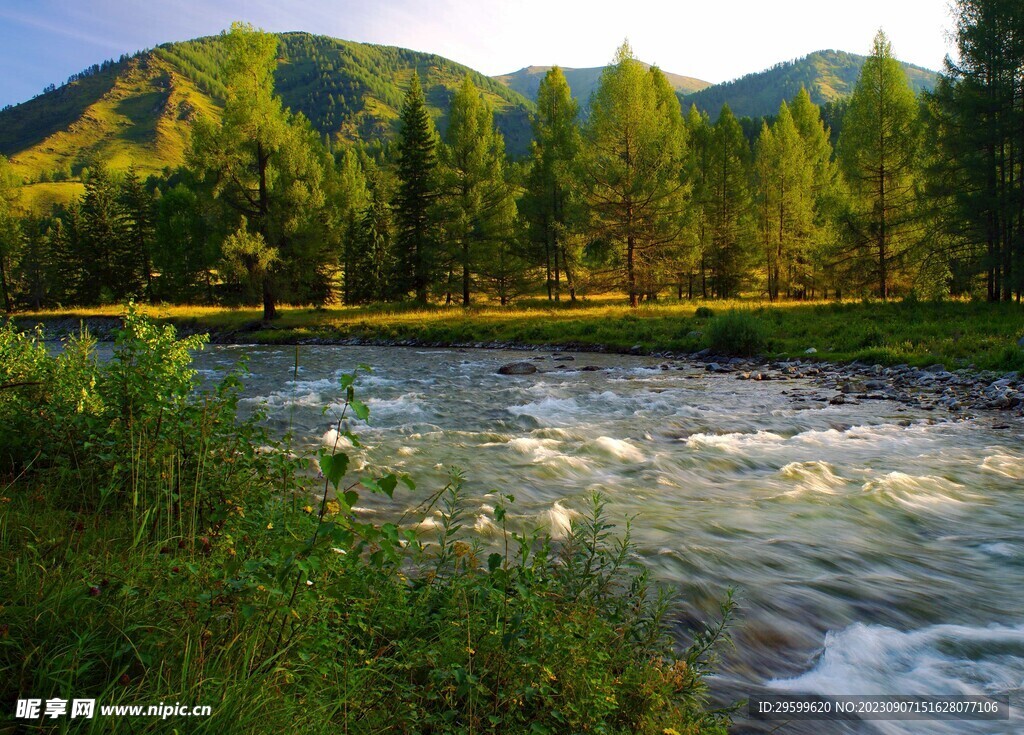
[930, 388]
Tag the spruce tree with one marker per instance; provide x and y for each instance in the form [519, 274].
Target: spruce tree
[414, 211]
[138, 209]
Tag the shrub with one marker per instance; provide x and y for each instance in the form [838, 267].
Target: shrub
[736, 333]
[703, 312]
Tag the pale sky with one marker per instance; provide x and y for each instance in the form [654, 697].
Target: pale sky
[45, 41]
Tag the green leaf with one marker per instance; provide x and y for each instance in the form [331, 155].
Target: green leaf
[493, 561]
[387, 485]
[334, 467]
[351, 498]
[360, 409]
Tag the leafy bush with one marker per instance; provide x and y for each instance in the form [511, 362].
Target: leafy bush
[703, 312]
[736, 333]
[230, 583]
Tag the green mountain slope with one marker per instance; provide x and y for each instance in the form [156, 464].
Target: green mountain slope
[827, 75]
[582, 82]
[138, 111]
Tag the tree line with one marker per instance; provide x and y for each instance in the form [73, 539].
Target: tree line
[916, 195]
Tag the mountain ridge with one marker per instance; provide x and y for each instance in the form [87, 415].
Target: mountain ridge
[137, 111]
[583, 81]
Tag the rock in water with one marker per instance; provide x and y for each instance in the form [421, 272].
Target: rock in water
[518, 368]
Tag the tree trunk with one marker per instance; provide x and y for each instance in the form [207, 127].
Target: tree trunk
[269, 308]
[3, 285]
[631, 270]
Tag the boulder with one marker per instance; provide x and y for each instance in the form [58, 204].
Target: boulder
[518, 368]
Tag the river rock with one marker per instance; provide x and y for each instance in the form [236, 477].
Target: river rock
[810, 351]
[1020, 343]
[518, 368]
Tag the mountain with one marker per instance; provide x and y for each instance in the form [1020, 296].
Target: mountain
[827, 75]
[137, 110]
[582, 82]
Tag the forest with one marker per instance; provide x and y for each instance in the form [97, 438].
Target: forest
[885, 194]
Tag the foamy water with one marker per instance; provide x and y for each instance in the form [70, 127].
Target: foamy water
[874, 548]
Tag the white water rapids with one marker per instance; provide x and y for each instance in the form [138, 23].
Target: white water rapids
[875, 548]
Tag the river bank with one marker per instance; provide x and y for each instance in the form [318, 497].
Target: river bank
[929, 378]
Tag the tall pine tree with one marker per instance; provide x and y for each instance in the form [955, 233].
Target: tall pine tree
[415, 203]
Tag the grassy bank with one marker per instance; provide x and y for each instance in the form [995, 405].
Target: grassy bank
[155, 549]
[957, 334]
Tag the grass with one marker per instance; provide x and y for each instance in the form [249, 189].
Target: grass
[958, 334]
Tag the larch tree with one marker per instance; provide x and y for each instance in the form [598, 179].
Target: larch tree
[631, 164]
[979, 172]
[878, 149]
[547, 204]
[267, 165]
[481, 203]
[697, 171]
[729, 204]
[786, 204]
[415, 210]
[825, 191]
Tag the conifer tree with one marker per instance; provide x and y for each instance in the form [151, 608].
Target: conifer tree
[878, 149]
[630, 167]
[826, 190]
[729, 200]
[268, 166]
[547, 203]
[481, 209]
[978, 121]
[10, 234]
[415, 203]
[697, 171]
[138, 210]
[786, 204]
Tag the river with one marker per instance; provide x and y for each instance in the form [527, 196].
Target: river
[874, 548]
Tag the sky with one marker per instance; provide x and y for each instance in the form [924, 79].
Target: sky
[45, 41]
